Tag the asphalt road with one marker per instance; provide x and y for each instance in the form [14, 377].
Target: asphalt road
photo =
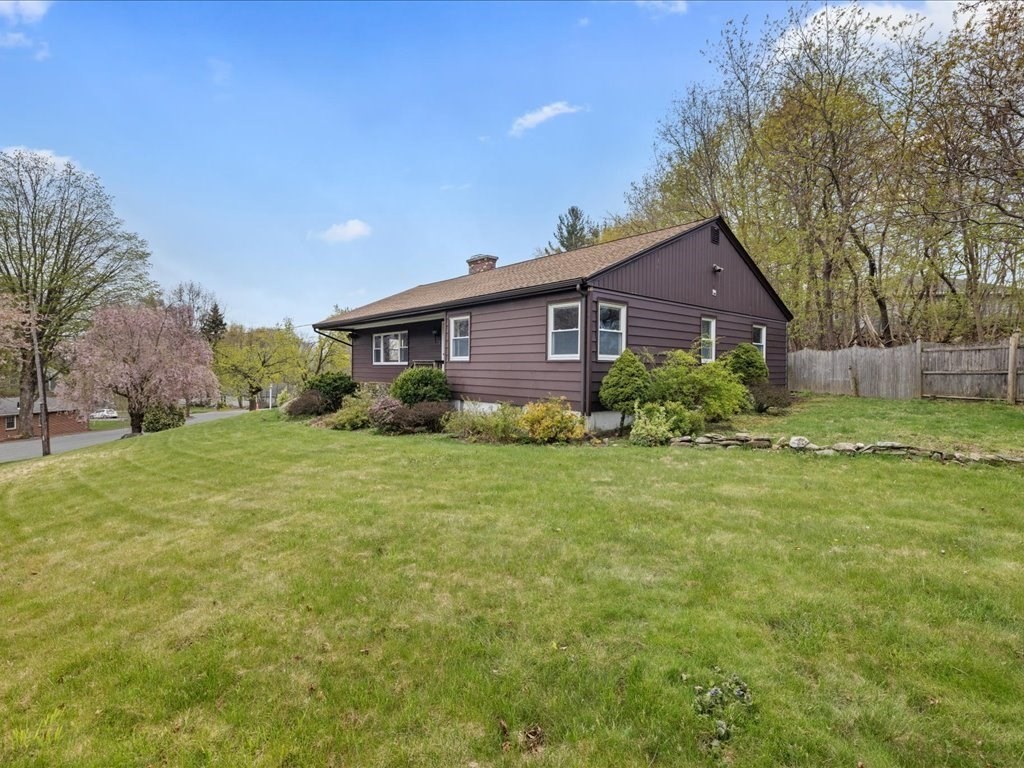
[17, 450]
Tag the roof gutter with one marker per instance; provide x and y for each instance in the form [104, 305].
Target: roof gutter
[485, 299]
[332, 338]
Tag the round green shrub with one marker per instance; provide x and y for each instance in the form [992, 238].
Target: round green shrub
[333, 388]
[421, 385]
[747, 363]
[160, 417]
[625, 384]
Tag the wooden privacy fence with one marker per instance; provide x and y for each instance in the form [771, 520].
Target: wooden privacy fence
[972, 372]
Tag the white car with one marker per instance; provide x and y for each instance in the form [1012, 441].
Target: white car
[104, 413]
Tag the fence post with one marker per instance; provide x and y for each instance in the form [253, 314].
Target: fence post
[919, 379]
[1011, 374]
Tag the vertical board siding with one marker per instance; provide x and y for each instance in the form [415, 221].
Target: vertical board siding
[508, 348]
[975, 372]
[683, 272]
[424, 344]
[659, 326]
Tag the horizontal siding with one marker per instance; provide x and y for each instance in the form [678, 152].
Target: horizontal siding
[682, 272]
[660, 326]
[424, 344]
[508, 362]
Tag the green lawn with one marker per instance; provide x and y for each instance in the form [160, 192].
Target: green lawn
[942, 424]
[102, 425]
[256, 592]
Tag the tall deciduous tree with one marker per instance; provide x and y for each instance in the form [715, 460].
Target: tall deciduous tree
[874, 169]
[146, 354]
[250, 359]
[63, 253]
[574, 230]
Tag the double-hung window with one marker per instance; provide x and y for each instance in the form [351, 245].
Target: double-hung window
[391, 348]
[759, 338]
[564, 331]
[459, 333]
[707, 339]
[10, 422]
[611, 330]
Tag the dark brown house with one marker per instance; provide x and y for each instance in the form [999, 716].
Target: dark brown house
[553, 326]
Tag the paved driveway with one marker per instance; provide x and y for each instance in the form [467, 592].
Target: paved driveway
[16, 450]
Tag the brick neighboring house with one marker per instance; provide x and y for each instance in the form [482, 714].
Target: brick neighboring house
[553, 326]
[64, 418]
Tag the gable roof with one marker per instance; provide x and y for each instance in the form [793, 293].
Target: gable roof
[546, 272]
[9, 406]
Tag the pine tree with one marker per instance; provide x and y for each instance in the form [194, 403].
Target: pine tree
[574, 230]
[213, 326]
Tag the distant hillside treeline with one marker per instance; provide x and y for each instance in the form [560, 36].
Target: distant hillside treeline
[874, 168]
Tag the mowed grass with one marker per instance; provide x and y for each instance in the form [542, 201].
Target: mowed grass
[954, 425]
[256, 592]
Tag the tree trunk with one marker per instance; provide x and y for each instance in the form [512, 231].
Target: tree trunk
[26, 392]
[136, 420]
[252, 403]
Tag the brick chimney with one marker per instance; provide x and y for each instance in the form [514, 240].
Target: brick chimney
[482, 262]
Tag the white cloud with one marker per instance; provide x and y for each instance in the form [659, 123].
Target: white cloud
[353, 229]
[663, 7]
[14, 40]
[538, 116]
[936, 16]
[219, 70]
[24, 11]
[48, 154]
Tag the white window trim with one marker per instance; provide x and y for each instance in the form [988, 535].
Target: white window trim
[764, 341]
[621, 307]
[714, 343]
[14, 422]
[551, 323]
[373, 348]
[452, 337]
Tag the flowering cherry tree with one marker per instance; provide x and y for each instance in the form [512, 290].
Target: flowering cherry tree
[148, 355]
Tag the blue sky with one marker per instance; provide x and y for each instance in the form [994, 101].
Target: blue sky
[295, 156]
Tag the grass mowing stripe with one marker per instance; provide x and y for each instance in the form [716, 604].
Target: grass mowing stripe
[254, 592]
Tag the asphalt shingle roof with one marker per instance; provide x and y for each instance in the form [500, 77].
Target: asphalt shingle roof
[547, 270]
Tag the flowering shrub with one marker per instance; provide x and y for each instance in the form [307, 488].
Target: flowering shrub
[552, 421]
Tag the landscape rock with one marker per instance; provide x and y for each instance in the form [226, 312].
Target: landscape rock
[798, 442]
[743, 437]
[760, 444]
[714, 436]
[844, 448]
[890, 445]
[825, 452]
[702, 440]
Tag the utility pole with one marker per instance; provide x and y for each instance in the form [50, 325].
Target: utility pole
[44, 416]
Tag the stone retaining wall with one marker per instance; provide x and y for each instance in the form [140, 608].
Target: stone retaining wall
[712, 440]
